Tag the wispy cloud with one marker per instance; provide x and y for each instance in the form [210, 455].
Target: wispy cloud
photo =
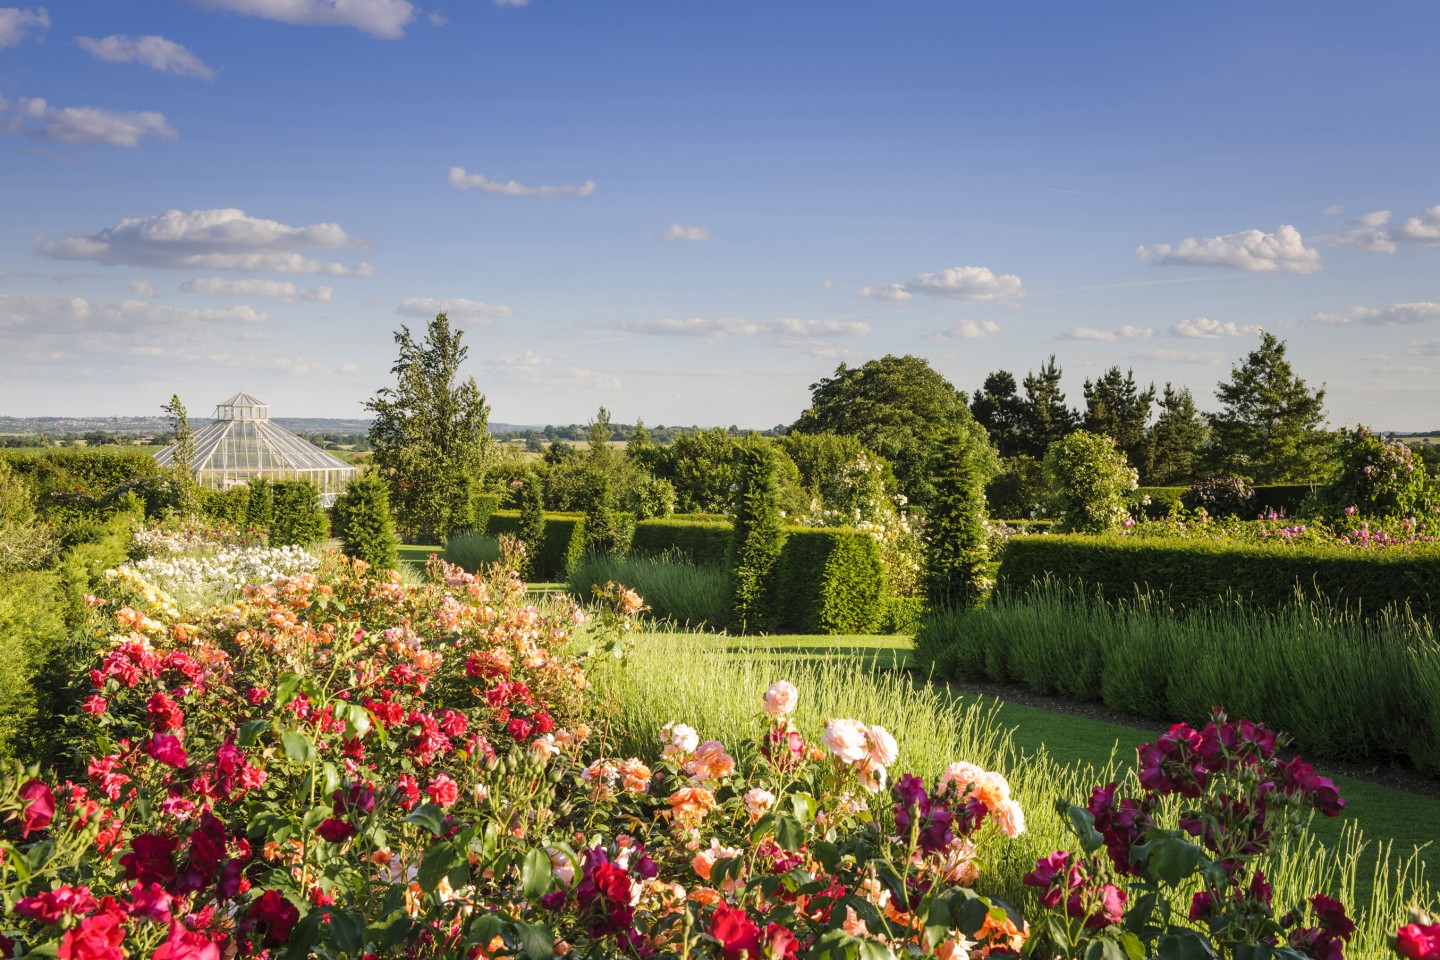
[677, 233]
[386, 19]
[956, 283]
[151, 51]
[18, 22]
[1395, 315]
[1105, 336]
[34, 117]
[1203, 328]
[269, 289]
[473, 312]
[219, 239]
[966, 330]
[1249, 251]
[1177, 356]
[461, 180]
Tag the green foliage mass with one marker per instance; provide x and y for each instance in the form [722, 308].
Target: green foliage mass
[829, 580]
[703, 543]
[562, 546]
[757, 539]
[25, 542]
[32, 632]
[1089, 481]
[1378, 479]
[1269, 425]
[607, 531]
[956, 535]
[430, 430]
[298, 518]
[531, 526]
[260, 504]
[896, 407]
[368, 530]
[1117, 407]
[1176, 439]
[674, 589]
[1189, 574]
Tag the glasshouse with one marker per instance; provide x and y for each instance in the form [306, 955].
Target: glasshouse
[242, 442]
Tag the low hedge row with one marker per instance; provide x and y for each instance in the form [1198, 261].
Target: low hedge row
[1347, 688]
[704, 542]
[1192, 574]
[829, 580]
[560, 549]
[93, 472]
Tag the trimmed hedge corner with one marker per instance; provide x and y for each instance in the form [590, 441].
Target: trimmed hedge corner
[560, 549]
[829, 581]
[1196, 574]
[702, 542]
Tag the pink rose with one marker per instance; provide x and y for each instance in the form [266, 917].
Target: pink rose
[883, 748]
[39, 806]
[846, 740]
[781, 698]
[758, 802]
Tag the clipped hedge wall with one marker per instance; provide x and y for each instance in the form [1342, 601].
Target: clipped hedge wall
[561, 548]
[701, 542]
[1286, 498]
[1191, 574]
[1161, 500]
[32, 630]
[829, 580]
[94, 472]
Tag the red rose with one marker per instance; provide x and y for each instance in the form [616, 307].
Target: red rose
[39, 806]
[151, 859]
[736, 933]
[1414, 942]
[166, 749]
[274, 916]
[183, 944]
[97, 937]
[780, 942]
[443, 791]
[164, 713]
[336, 831]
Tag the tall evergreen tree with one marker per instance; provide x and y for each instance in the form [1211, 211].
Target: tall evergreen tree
[1269, 427]
[369, 530]
[1047, 418]
[532, 523]
[640, 449]
[756, 540]
[1117, 407]
[430, 429]
[1176, 439]
[956, 535]
[998, 407]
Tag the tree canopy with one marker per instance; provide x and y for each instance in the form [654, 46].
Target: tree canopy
[1269, 425]
[1117, 407]
[896, 406]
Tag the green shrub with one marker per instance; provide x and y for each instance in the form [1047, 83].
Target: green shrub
[298, 516]
[1348, 688]
[673, 588]
[606, 533]
[756, 541]
[829, 580]
[32, 631]
[85, 486]
[902, 615]
[1090, 479]
[1290, 499]
[25, 542]
[260, 504]
[367, 530]
[1156, 503]
[1019, 489]
[225, 506]
[1194, 574]
[701, 540]
[956, 537]
[1221, 497]
[481, 506]
[472, 551]
[1377, 480]
[559, 548]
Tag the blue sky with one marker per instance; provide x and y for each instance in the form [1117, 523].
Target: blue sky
[690, 212]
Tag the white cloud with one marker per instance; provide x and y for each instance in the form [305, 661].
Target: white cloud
[1177, 356]
[827, 284]
[1108, 336]
[791, 327]
[269, 289]
[437, 19]
[512, 3]
[386, 19]
[1249, 251]
[151, 51]
[1376, 233]
[34, 117]
[1334, 209]
[143, 288]
[676, 233]
[56, 314]
[956, 283]
[1429, 348]
[1395, 315]
[694, 327]
[461, 180]
[966, 330]
[1203, 328]
[220, 239]
[457, 308]
[16, 22]
[533, 368]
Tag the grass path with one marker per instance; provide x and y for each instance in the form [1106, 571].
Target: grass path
[1408, 819]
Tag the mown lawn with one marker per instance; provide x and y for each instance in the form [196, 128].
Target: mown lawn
[1384, 813]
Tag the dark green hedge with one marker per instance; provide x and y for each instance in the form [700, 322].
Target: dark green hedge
[1197, 573]
[829, 580]
[93, 472]
[1286, 498]
[559, 551]
[299, 518]
[702, 542]
[1162, 500]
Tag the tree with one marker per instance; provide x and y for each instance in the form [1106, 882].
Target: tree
[1117, 407]
[1047, 418]
[369, 530]
[602, 526]
[187, 496]
[640, 449]
[998, 408]
[298, 517]
[259, 505]
[1176, 439]
[956, 535]
[599, 454]
[1089, 479]
[895, 406]
[1270, 424]
[756, 540]
[532, 522]
[430, 429]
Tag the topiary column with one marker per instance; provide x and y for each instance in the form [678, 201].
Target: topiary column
[957, 551]
[532, 523]
[756, 542]
[369, 529]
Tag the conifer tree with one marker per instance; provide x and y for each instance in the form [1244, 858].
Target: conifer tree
[1117, 407]
[1047, 418]
[1270, 424]
[1176, 439]
[956, 535]
[756, 541]
[369, 533]
[532, 523]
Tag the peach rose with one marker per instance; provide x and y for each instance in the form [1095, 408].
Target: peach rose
[710, 762]
[883, 748]
[545, 746]
[846, 740]
[962, 773]
[781, 698]
[635, 776]
[758, 802]
[1010, 818]
[688, 805]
